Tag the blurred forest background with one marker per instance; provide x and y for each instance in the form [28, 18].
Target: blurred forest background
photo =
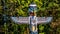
[20, 8]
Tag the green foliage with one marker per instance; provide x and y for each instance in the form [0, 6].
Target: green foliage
[41, 27]
[42, 33]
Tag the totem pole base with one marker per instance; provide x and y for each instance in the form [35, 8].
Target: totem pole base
[34, 32]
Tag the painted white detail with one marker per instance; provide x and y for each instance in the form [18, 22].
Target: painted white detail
[32, 5]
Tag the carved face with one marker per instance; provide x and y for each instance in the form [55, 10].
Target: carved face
[32, 8]
[31, 13]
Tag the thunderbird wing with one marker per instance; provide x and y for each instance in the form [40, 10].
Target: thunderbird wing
[43, 20]
[21, 20]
